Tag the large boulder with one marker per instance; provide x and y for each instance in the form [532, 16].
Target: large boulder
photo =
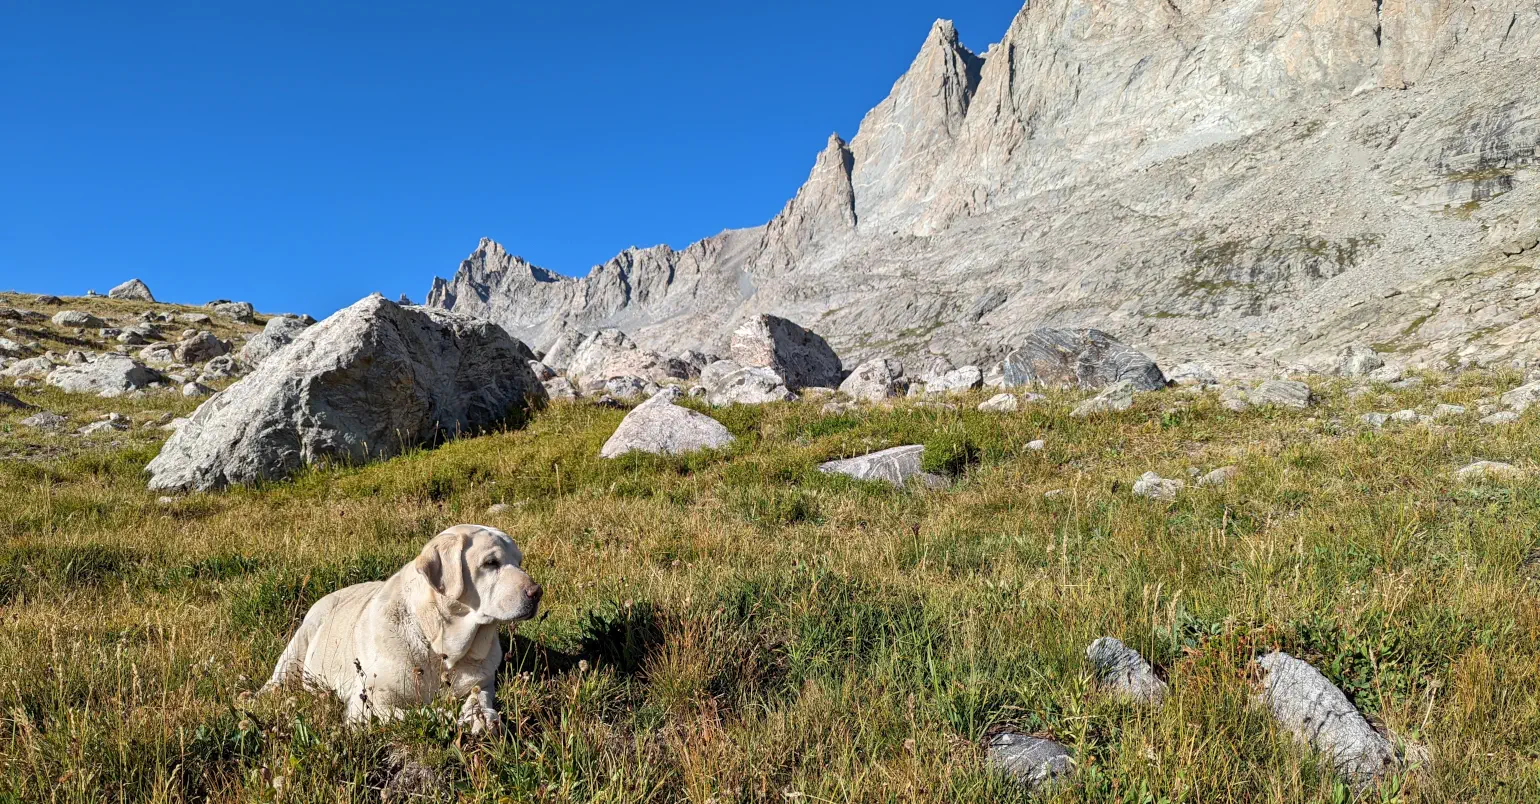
[800, 357]
[1358, 361]
[280, 331]
[1311, 708]
[30, 368]
[239, 311]
[371, 381]
[562, 351]
[108, 375]
[77, 320]
[199, 348]
[661, 427]
[749, 385]
[1079, 358]
[133, 290]
[967, 378]
[610, 353]
[875, 380]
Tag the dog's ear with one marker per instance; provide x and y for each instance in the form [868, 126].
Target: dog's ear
[442, 563]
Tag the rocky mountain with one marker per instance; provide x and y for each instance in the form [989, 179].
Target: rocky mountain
[1252, 183]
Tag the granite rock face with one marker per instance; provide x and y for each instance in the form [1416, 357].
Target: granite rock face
[109, 375]
[660, 427]
[279, 332]
[133, 290]
[367, 383]
[1244, 185]
[801, 357]
[1086, 358]
[1308, 706]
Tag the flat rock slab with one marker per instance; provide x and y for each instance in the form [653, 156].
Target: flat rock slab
[748, 385]
[1311, 708]
[1032, 761]
[1122, 671]
[1079, 358]
[1284, 393]
[1488, 471]
[1116, 397]
[370, 382]
[660, 427]
[109, 375]
[895, 466]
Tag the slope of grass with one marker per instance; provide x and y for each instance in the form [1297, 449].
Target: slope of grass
[736, 626]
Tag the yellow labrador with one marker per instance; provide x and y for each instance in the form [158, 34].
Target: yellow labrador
[392, 645]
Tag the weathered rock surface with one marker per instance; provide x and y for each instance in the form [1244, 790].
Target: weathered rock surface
[133, 290]
[1219, 477]
[77, 320]
[1122, 671]
[1000, 403]
[1031, 761]
[875, 380]
[1085, 358]
[609, 353]
[895, 466]
[1155, 487]
[370, 381]
[748, 385]
[199, 348]
[277, 333]
[46, 420]
[660, 427]
[239, 311]
[1115, 397]
[1247, 185]
[109, 375]
[967, 378]
[1358, 361]
[1283, 393]
[802, 358]
[31, 367]
[1308, 706]
[1488, 471]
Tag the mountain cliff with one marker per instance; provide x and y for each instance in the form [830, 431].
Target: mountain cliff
[1252, 183]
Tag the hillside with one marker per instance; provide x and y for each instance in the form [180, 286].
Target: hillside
[735, 625]
[1252, 185]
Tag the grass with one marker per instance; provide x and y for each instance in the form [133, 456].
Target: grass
[737, 626]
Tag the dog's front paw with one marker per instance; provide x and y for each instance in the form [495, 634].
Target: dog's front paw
[480, 719]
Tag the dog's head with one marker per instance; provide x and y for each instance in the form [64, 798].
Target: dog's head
[482, 569]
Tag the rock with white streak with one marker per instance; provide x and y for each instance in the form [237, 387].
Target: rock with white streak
[875, 380]
[1084, 358]
[1032, 761]
[896, 466]
[799, 356]
[1311, 708]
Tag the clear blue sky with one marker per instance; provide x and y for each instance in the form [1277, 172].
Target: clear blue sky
[300, 155]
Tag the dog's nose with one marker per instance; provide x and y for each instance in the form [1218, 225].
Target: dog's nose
[534, 592]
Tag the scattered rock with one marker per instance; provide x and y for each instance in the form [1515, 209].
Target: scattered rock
[47, 420]
[660, 427]
[1001, 403]
[1405, 417]
[1219, 477]
[1358, 361]
[1448, 411]
[373, 380]
[218, 368]
[1192, 374]
[1488, 471]
[610, 353]
[1031, 761]
[1156, 487]
[196, 319]
[802, 358]
[239, 311]
[560, 388]
[1375, 420]
[875, 380]
[895, 466]
[133, 289]
[49, 299]
[198, 348]
[750, 385]
[1501, 418]
[1122, 671]
[278, 332]
[629, 387]
[1306, 704]
[196, 389]
[77, 320]
[109, 375]
[1038, 445]
[498, 508]
[113, 423]
[1522, 397]
[967, 378]
[1284, 393]
[1386, 374]
[1082, 358]
[1115, 397]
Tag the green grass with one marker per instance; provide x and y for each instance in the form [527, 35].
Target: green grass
[737, 626]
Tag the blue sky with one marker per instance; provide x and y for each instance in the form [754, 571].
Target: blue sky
[302, 155]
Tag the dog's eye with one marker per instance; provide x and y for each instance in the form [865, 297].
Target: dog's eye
[492, 563]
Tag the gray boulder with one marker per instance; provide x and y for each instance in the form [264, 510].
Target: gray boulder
[561, 352]
[895, 466]
[1031, 761]
[46, 420]
[1358, 361]
[560, 388]
[109, 375]
[1122, 671]
[611, 353]
[749, 385]
[802, 358]
[1308, 706]
[967, 378]
[1079, 358]
[369, 382]
[133, 290]
[660, 427]
[629, 387]
[1000, 403]
[1283, 393]
[1500, 418]
[199, 348]
[77, 319]
[138, 335]
[1521, 398]
[1155, 487]
[875, 380]
[1116, 397]
[239, 311]
[32, 368]
[277, 333]
[218, 368]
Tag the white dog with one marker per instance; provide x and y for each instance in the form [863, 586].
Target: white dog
[388, 646]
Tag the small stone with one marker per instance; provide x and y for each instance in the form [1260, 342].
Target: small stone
[1037, 445]
[1123, 672]
[1156, 487]
[1219, 477]
[1448, 411]
[165, 500]
[1283, 393]
[1031, 761]
[1405, 417]
[194, 389]
[1504, 417]
[1000, 403]
[1375, 420]
[498, 508]
[47, 420]
[1488, 471]
[1051, 493]
[1118, 396]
